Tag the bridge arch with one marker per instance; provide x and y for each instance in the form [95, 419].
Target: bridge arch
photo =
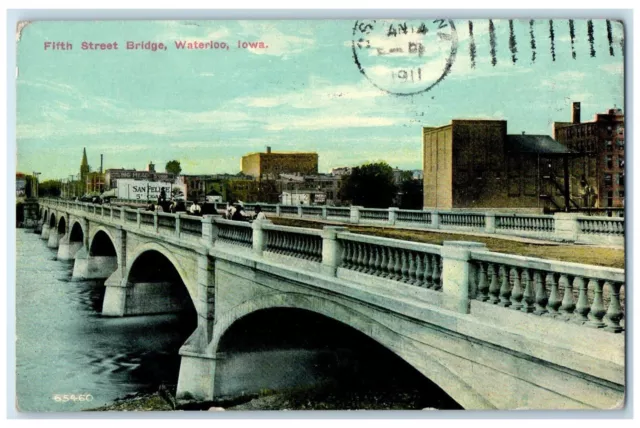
[151, 248]
[52, 220]
[102, 243]
[62, 225]
[77, 232]
[404, 347]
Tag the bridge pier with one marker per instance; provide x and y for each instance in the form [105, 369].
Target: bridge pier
[92, 267]
[54, 238]
[66, 249]
[46, 229]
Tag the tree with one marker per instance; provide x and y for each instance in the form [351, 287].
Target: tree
[369, 185]
[49, 188]
[410, 192]
[173, 167]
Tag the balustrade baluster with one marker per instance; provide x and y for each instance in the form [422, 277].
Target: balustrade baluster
[614, 312]
[373, 268]
[376, 266]
[428, 271]
[411, 273]
[419, 271]
[582, 307]
[598, 310]
[361, 256]
[390, 264]
[494, 287]
[383, 262]
[436, 272]
[505, 288]
[528, 296]
[483, 285]
[517, 294]
[554, 295]
[404, 268]
[344, 261]
[396, 269]
[568, 304]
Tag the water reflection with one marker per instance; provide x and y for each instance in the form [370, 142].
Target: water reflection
[64, 345]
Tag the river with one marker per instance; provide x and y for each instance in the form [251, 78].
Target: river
[64, 345]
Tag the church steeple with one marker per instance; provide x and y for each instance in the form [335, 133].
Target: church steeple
[84, 166]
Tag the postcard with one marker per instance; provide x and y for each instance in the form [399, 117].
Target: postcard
[371, 214]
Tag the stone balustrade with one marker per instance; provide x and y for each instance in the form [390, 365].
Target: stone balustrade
[583, 294]
[234, 232]
[523, 222]
[402, 261]
[371, 214]
[601, 226]
[413, 216]
[467, 220]
[567, 227]
[191, 225]
[297, 242]
[587, 295]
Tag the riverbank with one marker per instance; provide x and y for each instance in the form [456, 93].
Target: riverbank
[328, 399]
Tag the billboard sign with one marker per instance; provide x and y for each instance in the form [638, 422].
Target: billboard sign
[143, 190]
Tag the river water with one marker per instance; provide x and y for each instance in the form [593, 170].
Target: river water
[64, 345]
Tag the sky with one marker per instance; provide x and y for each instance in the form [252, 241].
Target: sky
[306, 91]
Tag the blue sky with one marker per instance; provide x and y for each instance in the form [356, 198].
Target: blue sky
[303, 93]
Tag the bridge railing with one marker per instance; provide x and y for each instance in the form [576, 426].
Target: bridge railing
[408, 262]
[190, 225]
[296, 242]
[588, 295]
[233, 232]
[583, 294]
[561, 226]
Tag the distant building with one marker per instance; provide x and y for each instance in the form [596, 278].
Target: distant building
[226, 186]
[269, 165]
[112, 175]
[341, 171]
[21, 184]
[303, 197]
[323, 188]
[597, 174]
[94, 182]
[475, 164]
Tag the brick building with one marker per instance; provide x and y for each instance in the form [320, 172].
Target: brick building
[597, 173]
[269, 165]
[474, 164]
[323, 188]
[112, 175]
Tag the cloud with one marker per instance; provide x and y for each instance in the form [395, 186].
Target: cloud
[617, 68]
[328, 122]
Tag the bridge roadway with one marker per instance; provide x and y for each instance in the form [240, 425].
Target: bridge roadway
[489, 329]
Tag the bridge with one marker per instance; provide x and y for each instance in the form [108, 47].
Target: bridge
[491, 330]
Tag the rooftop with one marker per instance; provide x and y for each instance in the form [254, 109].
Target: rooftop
[535, 144]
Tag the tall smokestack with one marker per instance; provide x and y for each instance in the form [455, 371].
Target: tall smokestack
[575, 113]
[268, 149]
[100, 163]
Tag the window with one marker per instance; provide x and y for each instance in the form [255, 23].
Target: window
[609, 199]
[620, 143]
[609, 145]
[608, 179]
[621, 193]
[620, 179]
[620, 162]
[609, 160]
